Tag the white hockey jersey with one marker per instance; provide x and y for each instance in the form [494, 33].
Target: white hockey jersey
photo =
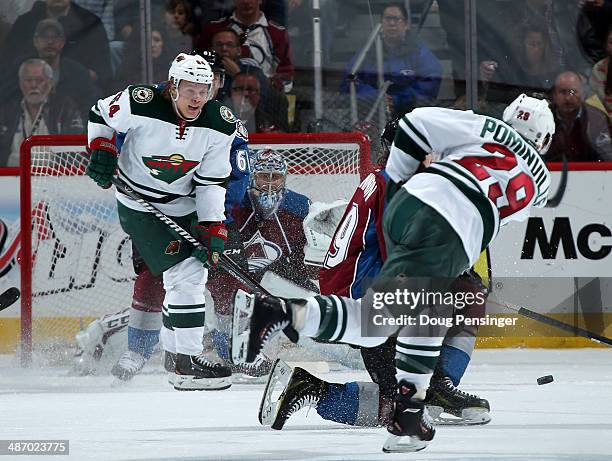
[484, 173]
[178, 166]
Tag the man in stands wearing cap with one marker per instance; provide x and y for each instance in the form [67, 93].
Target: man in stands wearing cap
[70, 78]
[86, 40]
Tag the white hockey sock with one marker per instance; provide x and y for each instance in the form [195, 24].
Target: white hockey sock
[306, 318]
[168, 340]
[415, 360]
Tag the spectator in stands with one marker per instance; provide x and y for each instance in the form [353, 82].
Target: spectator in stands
[573, 27]
[413, 70]
[180, 27]
[593, 24]
[131, 67]
[601, 77]
[86, 40]
[36, 110]
[226, 44]
[261, 39]
[533, 66]
[582, 133]
[245, 100]
[70, 78]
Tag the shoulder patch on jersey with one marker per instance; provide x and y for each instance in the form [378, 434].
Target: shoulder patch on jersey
[142, 94]
[241, 130]
[227, 115]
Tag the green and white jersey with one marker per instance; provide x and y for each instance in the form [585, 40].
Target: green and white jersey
[484, 173]
[178, 166]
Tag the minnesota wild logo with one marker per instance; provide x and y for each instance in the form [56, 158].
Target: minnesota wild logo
[169, 168]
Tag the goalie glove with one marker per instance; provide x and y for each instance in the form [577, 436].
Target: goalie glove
[213, 236]
[319, 228]
[103, 161]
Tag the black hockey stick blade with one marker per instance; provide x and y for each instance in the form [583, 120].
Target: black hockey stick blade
[555, 200]
[9, 297]
[576, 331]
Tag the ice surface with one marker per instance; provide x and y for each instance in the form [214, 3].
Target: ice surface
[569, 419]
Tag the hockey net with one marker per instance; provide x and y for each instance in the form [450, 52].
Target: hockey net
[75, 258]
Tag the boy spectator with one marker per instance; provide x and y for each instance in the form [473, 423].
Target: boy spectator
[582, 132]
[37, 112]
[414, 71]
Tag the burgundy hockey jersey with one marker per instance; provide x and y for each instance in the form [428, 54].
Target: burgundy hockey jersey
[275, 244]
[357, 250]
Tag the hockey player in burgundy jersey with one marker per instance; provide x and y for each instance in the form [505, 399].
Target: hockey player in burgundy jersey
[269, 221]
[486, 173]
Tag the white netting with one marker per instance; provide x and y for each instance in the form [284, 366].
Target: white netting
[82, 266]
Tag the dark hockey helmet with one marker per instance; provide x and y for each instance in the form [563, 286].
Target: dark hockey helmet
[216, 64]
[386, 139]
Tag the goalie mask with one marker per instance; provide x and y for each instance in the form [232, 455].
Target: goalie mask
[532, 119]
[267, 182]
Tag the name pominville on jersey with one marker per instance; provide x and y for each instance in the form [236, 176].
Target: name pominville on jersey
[480, 163]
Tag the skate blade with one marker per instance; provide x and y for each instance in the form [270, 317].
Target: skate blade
[278, 379]
[243, 309]
[241, 378]
[403, 444]
[190, 383]
[469, 417]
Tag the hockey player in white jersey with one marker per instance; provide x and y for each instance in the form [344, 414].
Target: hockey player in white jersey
[176, 154]
[486, 173]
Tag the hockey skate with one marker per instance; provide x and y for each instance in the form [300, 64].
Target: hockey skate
[129, 365]
[169, 362]
[443, 398]
[267, 315]
[256, 372]
[201, 373]
[300, 390]
[411, 427]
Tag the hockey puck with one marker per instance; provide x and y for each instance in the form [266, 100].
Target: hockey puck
[545, 379]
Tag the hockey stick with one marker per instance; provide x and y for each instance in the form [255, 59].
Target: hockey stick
[9, 297]
[576, 331]
[555, 200]
[226, 263]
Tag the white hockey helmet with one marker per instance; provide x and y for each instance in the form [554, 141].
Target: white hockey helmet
[532, 119]
[192, 68]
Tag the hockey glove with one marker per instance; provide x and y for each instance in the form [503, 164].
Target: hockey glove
[213, 237]
[103, 161]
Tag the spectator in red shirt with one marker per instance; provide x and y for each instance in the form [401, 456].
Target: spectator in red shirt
[261, 39]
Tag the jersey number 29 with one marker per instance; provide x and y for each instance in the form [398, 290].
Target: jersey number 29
[520, 188]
